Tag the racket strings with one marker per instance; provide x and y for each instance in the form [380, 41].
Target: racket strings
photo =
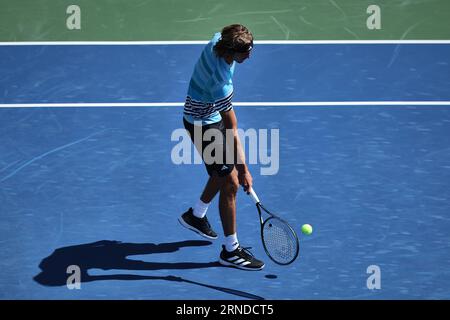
[280, 241]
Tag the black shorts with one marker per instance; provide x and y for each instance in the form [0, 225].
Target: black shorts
[223, 169]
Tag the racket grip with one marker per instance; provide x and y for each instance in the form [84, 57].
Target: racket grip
[254, 196]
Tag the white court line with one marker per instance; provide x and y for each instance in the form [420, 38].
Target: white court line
[203, 42]
[238, 104]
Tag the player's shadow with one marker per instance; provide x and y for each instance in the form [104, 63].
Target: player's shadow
[109, 255]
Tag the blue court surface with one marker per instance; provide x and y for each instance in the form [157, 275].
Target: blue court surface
[96, 187]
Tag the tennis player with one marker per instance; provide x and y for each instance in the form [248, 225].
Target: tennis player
[208, 106]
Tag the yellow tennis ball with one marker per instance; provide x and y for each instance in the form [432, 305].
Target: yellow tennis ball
[307, 229]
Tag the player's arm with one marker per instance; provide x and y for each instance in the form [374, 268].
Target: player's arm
[230, 122]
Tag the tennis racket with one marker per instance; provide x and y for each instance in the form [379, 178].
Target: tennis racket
[278, 238]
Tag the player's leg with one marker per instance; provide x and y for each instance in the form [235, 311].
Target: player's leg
[212, 187]
[232, 253]
[227, 203]
[195, 218]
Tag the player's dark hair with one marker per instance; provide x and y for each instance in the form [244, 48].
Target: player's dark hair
[235, 38]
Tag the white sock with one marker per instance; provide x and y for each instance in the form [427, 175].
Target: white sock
[231, 242]
[200, 209]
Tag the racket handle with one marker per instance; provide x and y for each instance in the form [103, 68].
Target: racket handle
[254, 196]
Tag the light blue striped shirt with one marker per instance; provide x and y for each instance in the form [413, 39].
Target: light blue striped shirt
[211, 87]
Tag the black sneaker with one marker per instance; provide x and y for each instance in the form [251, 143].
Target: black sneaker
[199, 225]
[240, 258]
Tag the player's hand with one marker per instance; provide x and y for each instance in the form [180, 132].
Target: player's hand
[245, 179]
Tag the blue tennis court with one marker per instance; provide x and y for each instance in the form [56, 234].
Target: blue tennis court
[94, 185]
